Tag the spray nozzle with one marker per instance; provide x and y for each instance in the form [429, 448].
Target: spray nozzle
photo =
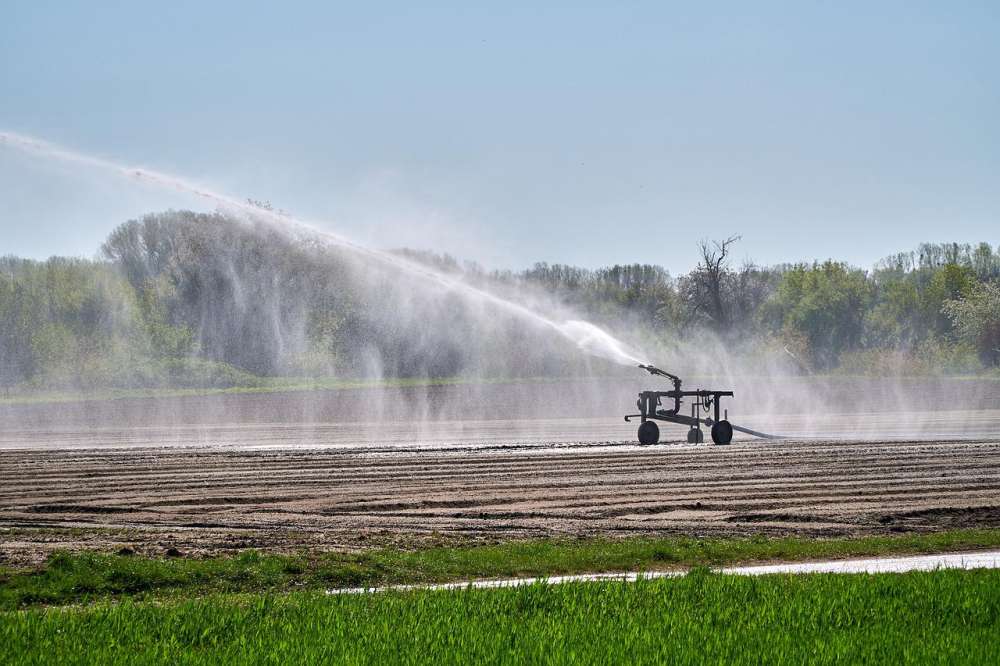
[653, 370]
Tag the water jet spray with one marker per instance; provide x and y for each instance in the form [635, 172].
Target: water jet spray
[587, 337]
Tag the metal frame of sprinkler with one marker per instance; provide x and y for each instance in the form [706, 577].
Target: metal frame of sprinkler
[649, 404]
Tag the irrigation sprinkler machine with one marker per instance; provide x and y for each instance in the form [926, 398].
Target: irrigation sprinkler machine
[650, 406]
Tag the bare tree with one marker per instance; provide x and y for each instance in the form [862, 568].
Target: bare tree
[705, 289]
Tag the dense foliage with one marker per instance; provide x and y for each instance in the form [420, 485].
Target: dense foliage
[190, 299]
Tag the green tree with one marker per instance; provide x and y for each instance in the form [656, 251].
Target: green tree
[825, 304]
[976, 317]
[949, 282]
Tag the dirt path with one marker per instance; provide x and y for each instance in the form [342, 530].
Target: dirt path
[212, 499]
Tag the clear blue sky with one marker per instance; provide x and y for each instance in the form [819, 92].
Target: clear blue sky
[588, 134]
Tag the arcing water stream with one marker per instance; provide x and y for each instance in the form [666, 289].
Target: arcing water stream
[587, 337]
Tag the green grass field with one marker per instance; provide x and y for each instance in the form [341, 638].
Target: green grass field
[86, 577]
[940, 617]
[26, 396]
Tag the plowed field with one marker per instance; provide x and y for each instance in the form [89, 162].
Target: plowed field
[212, 487]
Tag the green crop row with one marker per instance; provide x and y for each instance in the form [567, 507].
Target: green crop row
[935, 617]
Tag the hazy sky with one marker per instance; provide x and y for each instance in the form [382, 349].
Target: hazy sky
[588, 134]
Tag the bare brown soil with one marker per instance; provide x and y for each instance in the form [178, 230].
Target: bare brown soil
[212, 499]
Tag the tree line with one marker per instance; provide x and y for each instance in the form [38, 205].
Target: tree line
[188, 299]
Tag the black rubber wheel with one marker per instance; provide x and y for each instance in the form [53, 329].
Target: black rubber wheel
[649, 433]
[695, 436]
[722, 432]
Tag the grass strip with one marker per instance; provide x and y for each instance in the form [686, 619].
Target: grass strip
[265, 385]
[920, 617]
[87, 577]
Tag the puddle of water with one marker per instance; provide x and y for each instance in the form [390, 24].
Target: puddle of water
[875, 565]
